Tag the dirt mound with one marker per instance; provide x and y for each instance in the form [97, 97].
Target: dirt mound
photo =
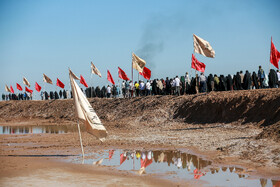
[260, 107]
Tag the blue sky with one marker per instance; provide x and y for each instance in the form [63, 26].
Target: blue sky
[49, 36]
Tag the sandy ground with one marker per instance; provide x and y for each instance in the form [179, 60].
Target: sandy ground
[232, 128]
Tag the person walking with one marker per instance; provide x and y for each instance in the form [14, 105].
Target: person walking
[177, 85]
[108, 91]
[202, 82]
[136, 84]
[261, 76]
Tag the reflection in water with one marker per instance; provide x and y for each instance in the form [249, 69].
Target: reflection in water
[51, 129]
[177, 164]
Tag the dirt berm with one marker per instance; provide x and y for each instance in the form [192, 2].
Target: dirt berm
[257, 107]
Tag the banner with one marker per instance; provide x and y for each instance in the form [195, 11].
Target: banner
[83, 81]
[37, 87]
[146, 73]
[12, 90]
[7, 89]
[110, 78]
[47, 79]
[19, 87]
[28, 90]
[59, 83]
[199, 66]
[203, 47]
[274, 55]
[73, 75]
[94, 70]
[85, 112]
[138, 63]
[25, 81]
[122, 74]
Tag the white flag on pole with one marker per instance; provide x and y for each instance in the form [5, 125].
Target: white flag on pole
[94, 70]
[85, 112]
[25, 81]
[7, 89]
[138, 63]
[203, 47]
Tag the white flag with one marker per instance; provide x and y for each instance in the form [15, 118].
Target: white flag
[94, 70]
[25, 81]
[203, 47]
[85, 112]
[47, 79]
[7, 89]
[138, 63]
[73, 75]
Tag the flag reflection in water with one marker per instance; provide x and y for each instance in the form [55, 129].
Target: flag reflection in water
[173, 163]
[51, 129]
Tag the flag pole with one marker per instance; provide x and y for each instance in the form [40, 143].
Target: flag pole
[81, 140]
[132, 70]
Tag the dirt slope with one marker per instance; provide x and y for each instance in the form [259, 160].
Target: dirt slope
[259, 107]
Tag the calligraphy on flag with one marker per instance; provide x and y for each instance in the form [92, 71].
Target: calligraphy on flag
[138, 63]
[203, 47]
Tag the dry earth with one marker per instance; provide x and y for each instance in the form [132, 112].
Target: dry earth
[236, 127]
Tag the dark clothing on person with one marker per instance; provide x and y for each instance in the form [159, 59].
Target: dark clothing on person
[51, 95]
[255, 80]
[46, 96]
[238, 82]
[229, 83]
[222, 85]
[93, 94]
[98, 91]
[60, 94]
[103, 92]
[56, 95]
[247, 81]
[154, 87]
[183, 85]
[64, 94]
[167, 87]
[272, 78]
[210, 83]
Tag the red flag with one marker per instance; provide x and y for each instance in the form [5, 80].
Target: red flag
[109, 77]
[28, 90]
[37, 87]
[122, 158]
[12, 90]
[122, 74]
[19, 87]
[199, 66]
[145, 163]
[274, 55]
[146, 73]
[111, 153]
[59, 83]
[83, 81]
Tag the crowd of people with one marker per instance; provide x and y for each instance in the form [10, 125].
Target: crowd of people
[173, 86]
[186, 85]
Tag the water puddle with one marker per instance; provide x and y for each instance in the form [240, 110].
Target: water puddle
[176, 165]
[50, 129]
